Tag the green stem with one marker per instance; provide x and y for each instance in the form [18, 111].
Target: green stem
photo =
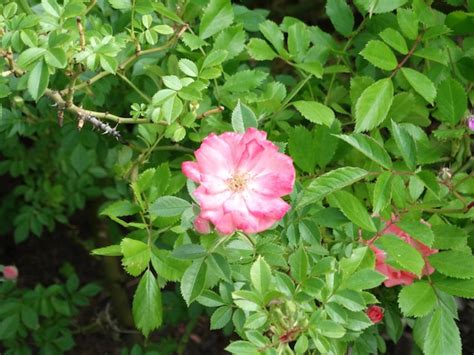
[134, 87]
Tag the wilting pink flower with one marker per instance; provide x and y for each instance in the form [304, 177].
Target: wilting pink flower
[375, 313]
[470, 123]
[399, 277]
[10, 272]
[242, 178]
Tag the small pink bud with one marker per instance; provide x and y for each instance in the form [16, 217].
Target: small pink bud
[10, 272]
[470, 123]
[375, 313]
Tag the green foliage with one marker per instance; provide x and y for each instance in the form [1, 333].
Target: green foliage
[373, 118]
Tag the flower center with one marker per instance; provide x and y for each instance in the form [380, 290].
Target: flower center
[237, 183]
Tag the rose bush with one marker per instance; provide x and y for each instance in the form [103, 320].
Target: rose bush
[307, 140]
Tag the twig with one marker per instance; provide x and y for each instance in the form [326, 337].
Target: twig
[58, 99]
[134, 87]
[211, 112]
[82, 36]
[409, 54]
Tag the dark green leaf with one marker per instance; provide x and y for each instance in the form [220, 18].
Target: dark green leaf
[354, 210]
[217, 16]
[453, 263]
[193, 281]
[369, 147]
[341, 16]
[147, 309]
[442, 336]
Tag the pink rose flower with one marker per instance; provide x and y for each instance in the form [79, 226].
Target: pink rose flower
[10, 272]
[375, 313]
[242, 178]
[470, 123]
[399, 277]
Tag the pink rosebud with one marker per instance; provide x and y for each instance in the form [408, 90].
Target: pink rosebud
[399, 277]
[375, 313]
[10, 272]
[242, 178]
[470, 123]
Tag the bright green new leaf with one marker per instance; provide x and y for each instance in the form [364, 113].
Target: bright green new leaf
[273, 34]
[380, 55]
[30, 56]
[147, 308]
[408, 22]
[168, 206]
[349, 299]
[417, 230]
[193, 281]
[261, 275]
[341, 16]
[453, 263]
[188, 67]
[451, 101]
[38, 80]
[231, 40]
[447, 236]
[364, 279]
[245, 80]
[242, 347]
[354, 210]
[314, 68]
[420, 83]
[260, 50]
[403, 254]
[330, 329]
[373, 105]
[217, 16]
[315, 112]
[332, 181]
[442, 336]
[215, 57]
[56, 57]
[111, 250]
[406, 145]
[136, 255]
[394, 39]
[243, 118]
[417, 299]
[298, 39]
[369, 147]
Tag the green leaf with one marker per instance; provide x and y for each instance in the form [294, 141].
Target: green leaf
[188, 67]
[56, 57]
[119, 209]
[315, 112]
[417, 299]
[301, 145]
[217, 16]
[111, 250]
[451, 101]
[429, 180]
[314, 68]
[166, 266]
[260, 50]
[354, 210]
[136, 256]
[369, 147]
[164, 11]
[220, 266]
[373, 105]
[232, 40]
[453, 263]
[221, 317]
[394, 39]
[215, 57]
[273, 34]
[364, 279]
[38, 80]
[447, 236]
[193, 281]
[261, 275]
[256, 320]
[420, 83]
[404, 255]
[330, 329]
[168, 206]
[245, 80]
[109, 64]
[172, 82]
[341, 16]
[417, 230]
[298, 39]
[456, 287]
[189, 252]
[147, 308]
[332, 181]
[442, 336]
[9, 326]
[382, 191]
[299, 264]
[350, 299]
[380, 55]
[123, 5]
[242, 347]
[29, 317]
[30, 56]
[243, 118]
[406, 145]
[408, 22]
